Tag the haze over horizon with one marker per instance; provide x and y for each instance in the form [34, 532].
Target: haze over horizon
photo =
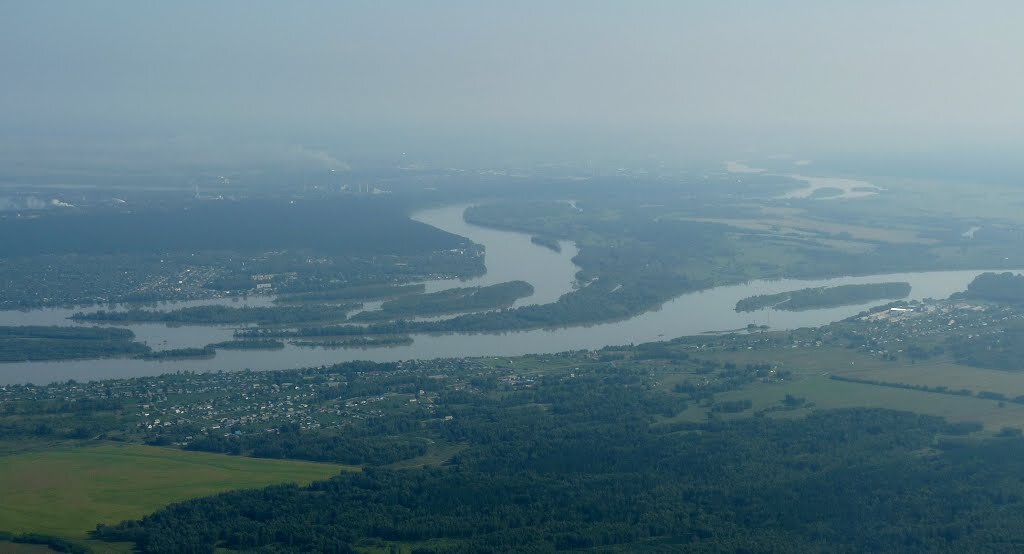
[336, 84]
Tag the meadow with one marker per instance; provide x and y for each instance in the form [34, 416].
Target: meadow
[812, 368]
[66, 491]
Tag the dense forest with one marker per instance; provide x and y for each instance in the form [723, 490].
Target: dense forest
[594, 474]
[349, 226]
[653, 447]
[996, 287]
[289, 441]
[461, 299]
[47, 542]
[26, 343]
[641, 448]
[824, 297]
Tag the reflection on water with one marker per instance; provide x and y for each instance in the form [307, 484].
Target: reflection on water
[509, 256]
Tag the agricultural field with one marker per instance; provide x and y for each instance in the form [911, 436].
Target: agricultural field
[66, 491]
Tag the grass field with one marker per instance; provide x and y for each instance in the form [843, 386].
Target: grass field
[812, 367]
[851, 363]
[67, 491]
[8, 547]
[948, 373]
[810, 227]
[827, 393]
[438, 454]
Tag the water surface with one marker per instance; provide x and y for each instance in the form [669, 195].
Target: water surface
[509, 256]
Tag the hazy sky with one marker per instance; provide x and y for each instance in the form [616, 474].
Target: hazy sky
[343, 81]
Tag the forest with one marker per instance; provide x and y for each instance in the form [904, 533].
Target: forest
[824, 297]
[29, 343]
[591, 304]
[996, 287]
[460, 299]
[376, 341]
[307, 313]
[1001, 350]
[546, 242]
[590, 475]
[382, 227]
[179, 354]
[186, 249]
[247, 345]
[362, 292]
[227, 315]
[660, 446]
[411, 277]
[289, 441]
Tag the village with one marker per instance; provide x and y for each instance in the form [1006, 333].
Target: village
[177, 407]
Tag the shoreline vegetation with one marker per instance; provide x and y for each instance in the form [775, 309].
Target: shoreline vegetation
[824, 297]
[222, 249]
[450, 301]
[38, 343]
[1005, 287]
[228, 315]
[434, 433]
[547, 242]
[268, 344]
[179, 354]
[356, 342]
[363, 292]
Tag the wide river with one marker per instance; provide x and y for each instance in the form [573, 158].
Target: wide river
[509, 256]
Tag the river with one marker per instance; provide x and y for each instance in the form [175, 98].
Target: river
[509, 256]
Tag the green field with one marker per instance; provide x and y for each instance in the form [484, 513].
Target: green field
[8, 547]
[829, 394]
[948, 373]
[851, 363]
[811, 368]
[438, 455]
[67, 491]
